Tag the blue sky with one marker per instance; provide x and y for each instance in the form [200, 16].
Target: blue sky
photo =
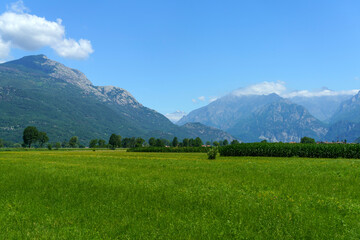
[178, 55]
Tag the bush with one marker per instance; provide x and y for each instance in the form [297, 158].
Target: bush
[170, 149]
[292, 150]
[49, 146]
[212, 153]
[307, 140]
[17, 145]
[57, 145]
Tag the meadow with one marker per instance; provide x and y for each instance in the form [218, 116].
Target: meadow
[125, 195]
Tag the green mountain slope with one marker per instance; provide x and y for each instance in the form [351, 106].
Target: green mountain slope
[61, 101]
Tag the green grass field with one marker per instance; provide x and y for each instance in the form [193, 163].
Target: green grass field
[120, 195]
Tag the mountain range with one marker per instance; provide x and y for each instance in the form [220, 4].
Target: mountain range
[321, 107]
[253, 118]
[61, 101]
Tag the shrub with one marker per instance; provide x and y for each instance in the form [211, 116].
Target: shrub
[169, 149]
[17, 145]
[57, 145]
[212, 153]
[49, 146]
[292, 150]
[307, 140]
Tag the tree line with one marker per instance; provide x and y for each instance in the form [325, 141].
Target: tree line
[33, 137]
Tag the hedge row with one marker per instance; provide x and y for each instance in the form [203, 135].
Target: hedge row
[292, 150]
[170, 149]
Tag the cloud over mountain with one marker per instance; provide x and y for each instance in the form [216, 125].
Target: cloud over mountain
[263, 88]
[19, 29]
[279, 87]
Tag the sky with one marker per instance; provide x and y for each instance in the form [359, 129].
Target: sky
[180, 55]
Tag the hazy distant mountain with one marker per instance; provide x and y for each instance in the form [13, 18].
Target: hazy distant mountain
[345, 123]
[256, 117]
[209, 133]
[348, 110]
[175, 116]
[343, 130]
[37, 91]
[321, 107]
[226, 111]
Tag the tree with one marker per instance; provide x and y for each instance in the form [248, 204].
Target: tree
[159, 143]
[42, 138]
[175, 142]
[225, 142]
[139, 142]
[307, 140]
[114, 141]
[198, 142]
[101, 143]
[208, 143]
[1, 143]
[93, 143]
[152, 142]
[166, 142]
[74, 142]
[185, 142]
[234, 142]
[57, 145]
[65, 144]
[216, 144]
[126, 143]
[30, 135]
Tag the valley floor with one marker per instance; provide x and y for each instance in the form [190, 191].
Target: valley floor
[119, 195]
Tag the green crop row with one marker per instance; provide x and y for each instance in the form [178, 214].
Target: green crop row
[170, 149]
[292, 150]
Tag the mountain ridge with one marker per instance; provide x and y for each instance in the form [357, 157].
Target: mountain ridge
[35, 90]
[259, 117]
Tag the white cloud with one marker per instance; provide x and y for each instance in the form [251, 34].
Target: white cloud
[175, 116]
[321, 93]
[201, 98]
[18, 7]
[263, 88]
[30, 32]
[69, 48]
[212, 99]
[4, 49]
[266, 88]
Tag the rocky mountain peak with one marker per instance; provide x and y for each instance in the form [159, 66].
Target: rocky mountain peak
[52, 68]
[118, 95]
[58, 71]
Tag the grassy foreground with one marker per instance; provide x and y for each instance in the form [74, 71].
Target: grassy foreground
[119, 195]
